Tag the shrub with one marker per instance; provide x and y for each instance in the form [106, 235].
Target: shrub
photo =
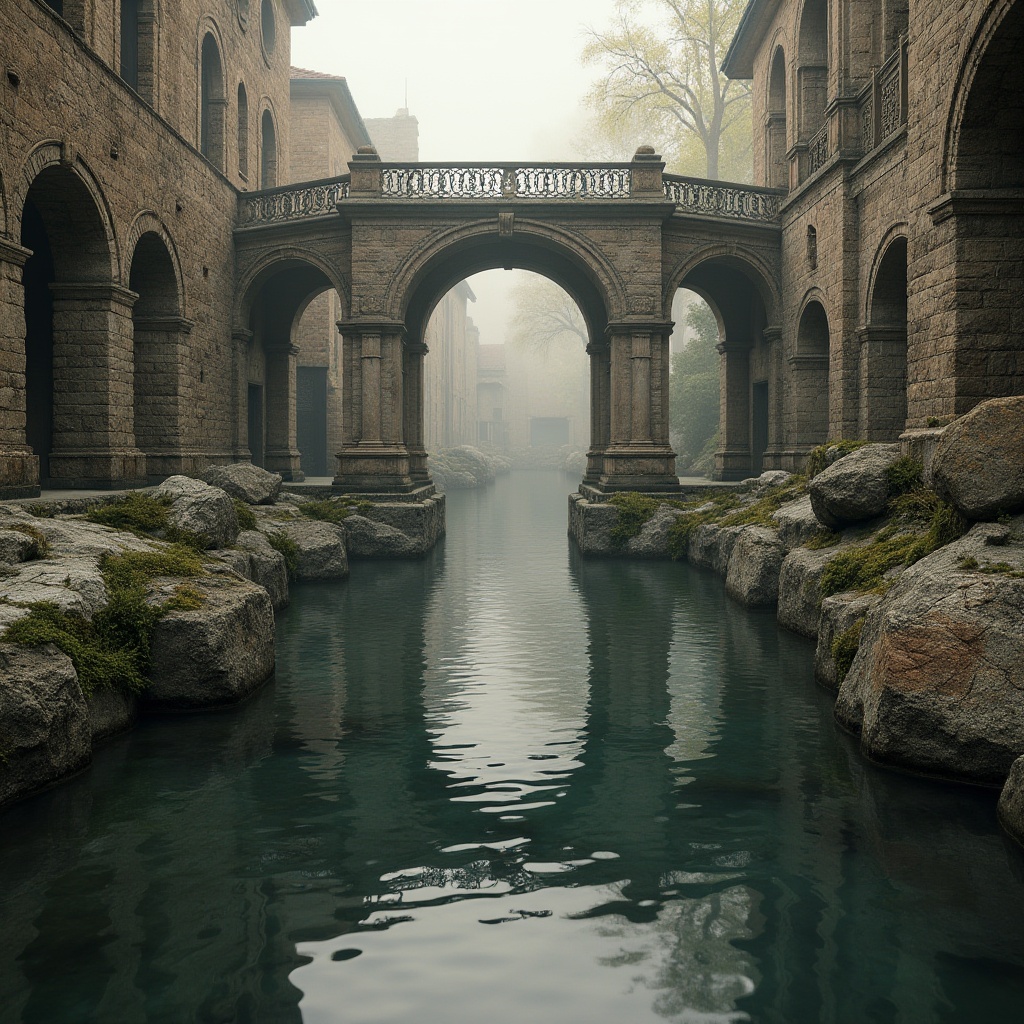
[327, 510]
[904, 475]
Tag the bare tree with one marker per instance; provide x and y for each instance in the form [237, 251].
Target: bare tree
[666, 78]
[545, 316]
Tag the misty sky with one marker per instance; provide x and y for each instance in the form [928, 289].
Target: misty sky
[487, 80]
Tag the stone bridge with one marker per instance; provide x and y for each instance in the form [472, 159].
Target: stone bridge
[391, 239]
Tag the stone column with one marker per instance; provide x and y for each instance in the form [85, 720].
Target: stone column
[165, 400]
[374, 456]
[282, 454]
[240, 341]
[413, 377]
[732, 460]
[883, 383]
[93, 384]
[773, 455]
[638, 456]
[600, 410]
[19, 466]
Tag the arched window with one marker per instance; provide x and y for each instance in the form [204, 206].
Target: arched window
[243, 131]
[776, 164]
[268, 26]
[268, 151]
[812, 71]
[211, 127]
[130, 42]
[810, 375]
[883, 362]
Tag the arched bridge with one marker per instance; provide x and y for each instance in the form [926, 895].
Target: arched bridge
[619, 238]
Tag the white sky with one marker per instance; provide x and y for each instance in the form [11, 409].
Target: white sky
[487, 80]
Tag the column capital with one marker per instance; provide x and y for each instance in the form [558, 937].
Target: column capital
[618, 328]
[93, 291]
[175, 324]
[372, 325]
[241, 335]
[883, 333]
[772, 334]
[11, 252]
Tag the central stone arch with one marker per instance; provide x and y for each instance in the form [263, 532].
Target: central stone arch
[628, 349]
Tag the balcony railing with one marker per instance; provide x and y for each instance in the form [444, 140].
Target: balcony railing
[312, 199]
[564, 182]
[817, 149]
[715, 199]
[505, 181]
[883, 105]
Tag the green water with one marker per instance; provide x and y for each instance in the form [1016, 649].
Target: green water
[508, 785]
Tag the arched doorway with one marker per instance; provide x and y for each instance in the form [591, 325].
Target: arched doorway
[212, 102]
[161, 381]
[279, 305]
[78, 331]
[812, 84]
[988, 215]
[809, 369]
[750, 375]
[883, 352]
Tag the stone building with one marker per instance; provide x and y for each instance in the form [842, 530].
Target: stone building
[895, 129]
[126, 132]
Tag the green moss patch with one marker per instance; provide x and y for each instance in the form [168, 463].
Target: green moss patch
[146, 516]
[844, 648]
[634, 511]
[280, 541]
[112, 648]
[245, 515]
[904, 475]
[817, 460]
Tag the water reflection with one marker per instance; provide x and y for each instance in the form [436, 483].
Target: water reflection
[504, 783]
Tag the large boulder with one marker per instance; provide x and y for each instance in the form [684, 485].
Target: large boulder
[979, 462]
[367, 538]
[711, 546]
[754, 565]
[199, 509]
[653, 539]
[1011, 802]
[937, 685]
[839, 613]
[800, 589]
[854, 488]
[796, 522]
[244, 481]
[217, 654]
[111, 712]
[45, 735]
[265, 566]
[319, 546]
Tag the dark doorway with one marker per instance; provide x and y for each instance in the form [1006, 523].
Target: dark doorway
[758, 426]
[37, 277]
[311, 419]
[256, 423]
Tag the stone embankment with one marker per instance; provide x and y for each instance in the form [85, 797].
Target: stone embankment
[161, 600]
[914, 590]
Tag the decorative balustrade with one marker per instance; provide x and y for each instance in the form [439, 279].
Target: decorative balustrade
[817, 149]
[714, 199]
[505, 181]
[582, 182]
[883, 109]
[310, 200]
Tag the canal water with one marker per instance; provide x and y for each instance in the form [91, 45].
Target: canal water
[507, 785]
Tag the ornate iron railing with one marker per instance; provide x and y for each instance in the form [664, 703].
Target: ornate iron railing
[817, 149]
[715, 199]
[290, 203]
[508, 181]
[890, 97]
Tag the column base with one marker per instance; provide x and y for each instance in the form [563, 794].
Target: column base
[103, 469]
[285, 461]
[19, 472]
[376, 469]
[650, 469]
[732, 464]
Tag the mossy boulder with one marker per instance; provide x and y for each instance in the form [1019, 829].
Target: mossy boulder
[854, 488]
